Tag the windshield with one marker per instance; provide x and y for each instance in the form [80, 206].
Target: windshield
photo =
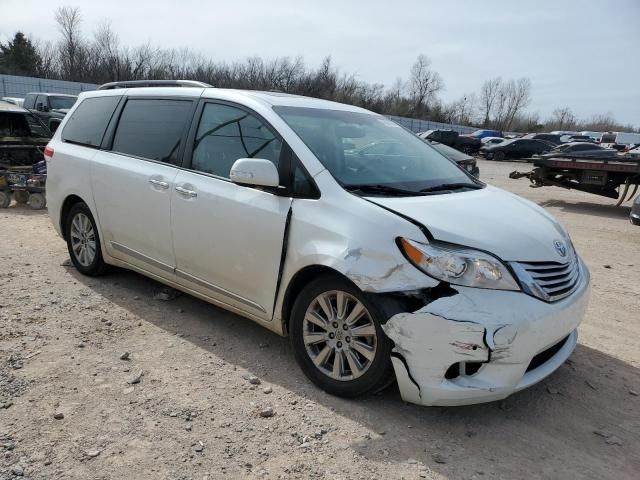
[362, 149]
[61, 102]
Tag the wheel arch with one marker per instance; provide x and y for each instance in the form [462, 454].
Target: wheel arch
[69, 202]
[299, 280]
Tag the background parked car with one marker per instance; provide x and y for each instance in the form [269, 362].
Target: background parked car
[486, 133]
[553, 138]
[516, 148]
[580, 150]
[462, 159]
[14, 100]
[49, 107]
[453, 139]
[491, 140]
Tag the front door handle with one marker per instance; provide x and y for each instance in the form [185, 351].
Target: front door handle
[158, 183]
[186, 192]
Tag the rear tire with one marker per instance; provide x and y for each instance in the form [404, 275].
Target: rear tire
[37, 201]
[21, 196]
[83, 241]
[345, 352]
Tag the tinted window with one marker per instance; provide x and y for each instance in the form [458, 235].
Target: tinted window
[61, 102]
[152, 129]
[88, 122]
[226, 134]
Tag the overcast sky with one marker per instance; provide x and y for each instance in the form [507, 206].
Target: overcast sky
[583, 54]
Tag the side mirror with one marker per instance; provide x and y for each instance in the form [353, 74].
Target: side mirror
[254, 171]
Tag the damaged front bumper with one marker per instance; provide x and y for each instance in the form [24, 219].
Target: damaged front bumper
[482, 345]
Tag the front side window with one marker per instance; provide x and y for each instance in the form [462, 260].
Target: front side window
[88, 122]
[414, 167]
[226, 134]
[153, 128]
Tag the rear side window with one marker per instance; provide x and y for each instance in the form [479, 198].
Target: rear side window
[88, 122]
[152, 128]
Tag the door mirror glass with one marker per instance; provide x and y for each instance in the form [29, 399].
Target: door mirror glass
[255, 171]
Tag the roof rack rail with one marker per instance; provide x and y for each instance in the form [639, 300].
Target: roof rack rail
[153, 83]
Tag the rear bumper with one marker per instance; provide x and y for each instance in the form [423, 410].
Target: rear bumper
[515, 340]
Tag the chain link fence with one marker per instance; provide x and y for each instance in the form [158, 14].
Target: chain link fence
[17, 86]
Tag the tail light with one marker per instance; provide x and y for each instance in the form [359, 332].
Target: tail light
[48, 153]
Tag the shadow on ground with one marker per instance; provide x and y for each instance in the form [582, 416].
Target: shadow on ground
[587, 208]
[588, 387]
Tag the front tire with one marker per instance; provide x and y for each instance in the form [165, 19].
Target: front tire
[83, 241]
[338, 340]
[499, 156]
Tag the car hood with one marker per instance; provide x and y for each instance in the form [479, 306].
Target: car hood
[490, 219]
[63, 111]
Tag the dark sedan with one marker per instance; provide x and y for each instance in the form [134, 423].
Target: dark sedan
[580, 150]
[516, 148]
[635, 211]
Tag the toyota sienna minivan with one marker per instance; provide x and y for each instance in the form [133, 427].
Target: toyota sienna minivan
[379, 265]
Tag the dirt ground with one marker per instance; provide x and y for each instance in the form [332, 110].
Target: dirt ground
[193, 415]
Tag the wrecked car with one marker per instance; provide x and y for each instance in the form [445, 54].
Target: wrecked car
[23, 138]
[377, 267]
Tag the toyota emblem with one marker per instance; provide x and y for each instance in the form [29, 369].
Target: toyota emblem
[560, 248]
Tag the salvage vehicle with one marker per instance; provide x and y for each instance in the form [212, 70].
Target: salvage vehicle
[402, 264]
[23, 138]
[453, 139]
[49, 107]
[580, 150]
[515, 148]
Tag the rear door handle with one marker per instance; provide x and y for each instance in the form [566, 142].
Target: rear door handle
[186, 192]
[158, 183]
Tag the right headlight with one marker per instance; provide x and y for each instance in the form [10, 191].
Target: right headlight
[459, 266]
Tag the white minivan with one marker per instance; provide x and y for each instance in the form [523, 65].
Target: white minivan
[379, 265]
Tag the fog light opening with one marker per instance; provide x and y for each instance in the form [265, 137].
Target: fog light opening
[462, 369]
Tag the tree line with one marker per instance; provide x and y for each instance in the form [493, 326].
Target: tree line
[100, 58]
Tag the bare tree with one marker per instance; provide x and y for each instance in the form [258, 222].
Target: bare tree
[489, 96]
[424, 83]
[562, 119]
[518, 93]
[71, 45]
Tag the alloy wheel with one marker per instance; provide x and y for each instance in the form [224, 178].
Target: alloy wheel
[83, 239]
[339, 335]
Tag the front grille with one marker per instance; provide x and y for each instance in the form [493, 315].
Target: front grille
[551, 281]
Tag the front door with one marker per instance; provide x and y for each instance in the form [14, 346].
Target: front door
[228, 238]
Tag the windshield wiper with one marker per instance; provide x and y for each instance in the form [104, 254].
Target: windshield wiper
[451, 186]
[379, 188]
